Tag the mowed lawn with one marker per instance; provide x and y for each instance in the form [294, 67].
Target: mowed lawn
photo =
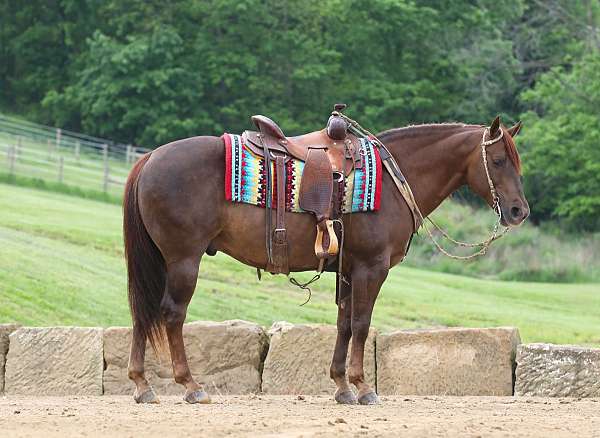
[61, 263]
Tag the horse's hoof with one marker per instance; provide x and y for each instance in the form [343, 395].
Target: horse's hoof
[148, 396]
[197, 396]
[345, 397]
[370, 398]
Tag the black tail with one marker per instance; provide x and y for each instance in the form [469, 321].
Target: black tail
[146, 270]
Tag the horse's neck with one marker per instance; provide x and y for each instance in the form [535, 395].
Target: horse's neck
[434, 161]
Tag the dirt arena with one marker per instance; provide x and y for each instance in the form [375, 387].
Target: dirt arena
[299, 416]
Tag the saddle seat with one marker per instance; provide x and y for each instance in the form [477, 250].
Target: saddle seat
[343, 154]
[328, 155]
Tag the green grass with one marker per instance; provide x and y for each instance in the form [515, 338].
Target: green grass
[61, 264]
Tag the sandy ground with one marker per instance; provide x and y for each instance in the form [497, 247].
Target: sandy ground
[291, 416]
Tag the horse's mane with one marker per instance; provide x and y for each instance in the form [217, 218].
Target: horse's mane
[415, 130]
[511, 151]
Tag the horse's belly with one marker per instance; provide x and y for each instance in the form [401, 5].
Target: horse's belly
[243, 236]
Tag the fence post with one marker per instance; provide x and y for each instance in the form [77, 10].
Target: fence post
[11, 160]
[128, 154]
[60, 169]
[19, 146]
[58, 137]
[49, 149]
[106, 170]
[77, 147]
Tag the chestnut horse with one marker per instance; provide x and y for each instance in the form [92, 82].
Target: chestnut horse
[175, 210]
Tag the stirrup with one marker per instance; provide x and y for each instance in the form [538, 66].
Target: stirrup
[333, 247]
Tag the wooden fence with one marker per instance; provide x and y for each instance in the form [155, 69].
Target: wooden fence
[64, 157]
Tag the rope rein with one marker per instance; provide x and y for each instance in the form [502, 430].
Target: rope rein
[406, 192]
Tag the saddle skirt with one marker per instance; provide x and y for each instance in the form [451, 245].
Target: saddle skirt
[245, 178]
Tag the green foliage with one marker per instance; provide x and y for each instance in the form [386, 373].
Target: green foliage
[562, 157]
[137, 89]
[149, 72]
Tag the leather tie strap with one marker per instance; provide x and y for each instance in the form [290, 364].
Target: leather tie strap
[268, 198]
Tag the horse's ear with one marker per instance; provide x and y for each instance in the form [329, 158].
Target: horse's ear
[494, 127]
[514, 131]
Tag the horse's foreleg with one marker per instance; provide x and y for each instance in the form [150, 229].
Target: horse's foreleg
[143, 391]
[337, 372]
[181, 282]
[366, 282]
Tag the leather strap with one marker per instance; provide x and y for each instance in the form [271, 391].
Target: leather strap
[280, 165]
[279, 245]
[268, 200]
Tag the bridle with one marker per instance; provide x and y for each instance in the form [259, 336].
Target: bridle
[484, 144]
[418, 217]
[495, 235]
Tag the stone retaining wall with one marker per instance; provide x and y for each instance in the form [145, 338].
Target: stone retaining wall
[238, 357]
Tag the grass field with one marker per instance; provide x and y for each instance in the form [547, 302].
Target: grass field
[61, 264]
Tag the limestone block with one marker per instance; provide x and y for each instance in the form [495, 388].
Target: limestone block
[55, 361]
[557, 371]
[225, 356]
[299, 359]
[454, 361]
[5, 331]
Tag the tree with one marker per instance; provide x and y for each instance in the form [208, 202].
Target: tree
[134, 90]
[562, 139]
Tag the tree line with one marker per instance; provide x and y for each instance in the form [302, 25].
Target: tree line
[149, 71]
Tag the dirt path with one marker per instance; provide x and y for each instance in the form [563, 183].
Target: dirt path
[292, 417]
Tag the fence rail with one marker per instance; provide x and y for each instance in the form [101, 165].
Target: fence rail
[70, 158]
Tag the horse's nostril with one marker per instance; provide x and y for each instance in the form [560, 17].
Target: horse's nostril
[515, 212]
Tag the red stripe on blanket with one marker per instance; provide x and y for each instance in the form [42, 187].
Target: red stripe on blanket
[377, 179]
[227, 140]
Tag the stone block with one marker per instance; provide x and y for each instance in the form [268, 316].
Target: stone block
[55, 361]
[225, 356]
[299, 359]
[454, 361]
[557, 371]
[5, 331]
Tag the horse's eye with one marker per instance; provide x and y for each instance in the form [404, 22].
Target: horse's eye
[499, 162]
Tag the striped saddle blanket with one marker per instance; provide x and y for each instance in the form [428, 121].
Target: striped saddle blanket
[245, 177]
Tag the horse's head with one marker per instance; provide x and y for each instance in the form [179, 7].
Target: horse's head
[500, 185]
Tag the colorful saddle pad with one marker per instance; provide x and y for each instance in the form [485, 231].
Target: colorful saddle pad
[245, 179]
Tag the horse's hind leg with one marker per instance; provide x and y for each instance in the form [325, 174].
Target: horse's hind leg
[337, 372]
[143, 391]
[181, 282]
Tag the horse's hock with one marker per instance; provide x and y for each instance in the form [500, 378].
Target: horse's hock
[458, 361]
[55, 361]
[226, 356]
[300, 356]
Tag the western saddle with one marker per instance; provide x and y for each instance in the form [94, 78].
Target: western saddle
[329, 155]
